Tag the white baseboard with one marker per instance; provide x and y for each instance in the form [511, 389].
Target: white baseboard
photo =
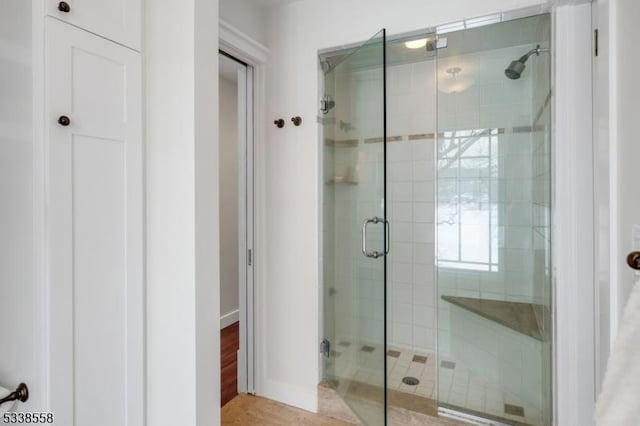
[296, 396]
[227, 319]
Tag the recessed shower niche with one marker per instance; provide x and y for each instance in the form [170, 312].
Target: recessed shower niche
[436, 262]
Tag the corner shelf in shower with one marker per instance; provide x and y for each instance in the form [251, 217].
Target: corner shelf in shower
[338, 181]
[521, 317]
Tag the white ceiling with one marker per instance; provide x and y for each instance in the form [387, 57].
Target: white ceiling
[272, 3]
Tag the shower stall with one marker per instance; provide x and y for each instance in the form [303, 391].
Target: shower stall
[436, 234]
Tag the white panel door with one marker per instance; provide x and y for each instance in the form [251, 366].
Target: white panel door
[117, 20]
[95, 221]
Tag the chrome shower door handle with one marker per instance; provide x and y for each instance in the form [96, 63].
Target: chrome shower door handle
[374, 254]
[364, 238]
[387, 238]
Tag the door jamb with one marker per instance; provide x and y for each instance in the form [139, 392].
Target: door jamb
[573, 254]
[253, 53]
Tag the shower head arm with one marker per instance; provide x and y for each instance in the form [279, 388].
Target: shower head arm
[535, 51]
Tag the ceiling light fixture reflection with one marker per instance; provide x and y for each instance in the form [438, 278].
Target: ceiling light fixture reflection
[455, 84]
[416, 44]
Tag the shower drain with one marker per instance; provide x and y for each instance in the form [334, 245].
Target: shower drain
[411, 381]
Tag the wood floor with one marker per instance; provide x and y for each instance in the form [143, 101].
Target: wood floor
[229, 345]
[255, 411]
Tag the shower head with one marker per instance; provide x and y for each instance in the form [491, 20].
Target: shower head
[515, 68]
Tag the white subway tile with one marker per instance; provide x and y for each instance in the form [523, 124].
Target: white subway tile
[403, 313]
[423, 212]
[425, 295]
[423, 316]
[401, 252]
[402, 333]
[423, 150]
[423, 253]
[423, 233]
[423, 274]
[423, 338]
[400, 231]
[403, 211]
[402, 272]
[402, 292]
[398, 150]
[424, 191]
[423, 171]
[402, 191]
[400, 171]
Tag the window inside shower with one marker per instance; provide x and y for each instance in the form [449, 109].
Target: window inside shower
[467, 177]
[467, 210]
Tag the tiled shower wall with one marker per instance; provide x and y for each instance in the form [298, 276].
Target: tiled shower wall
[410, 206]
[492, 102]
[518, 180]
[352, 152]
[352, 189]
[495, 103]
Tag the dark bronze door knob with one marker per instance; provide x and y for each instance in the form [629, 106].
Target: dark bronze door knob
[63, 120]
[633, 260]
[63, 6]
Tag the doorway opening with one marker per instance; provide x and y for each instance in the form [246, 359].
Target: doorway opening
[236, 227]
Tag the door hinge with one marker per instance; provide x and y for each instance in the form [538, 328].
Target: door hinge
[596, 41]
[325, 347]
[326, 104]
[250, 257]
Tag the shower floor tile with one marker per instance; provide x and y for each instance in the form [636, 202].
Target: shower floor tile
[456, 386]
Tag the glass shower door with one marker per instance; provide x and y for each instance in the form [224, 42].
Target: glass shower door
[354, 231]
[493, 223]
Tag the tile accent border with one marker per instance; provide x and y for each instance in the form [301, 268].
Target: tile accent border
[448, 364]
[514, 410]
[420, 359]
[352, 143]
[422, 136]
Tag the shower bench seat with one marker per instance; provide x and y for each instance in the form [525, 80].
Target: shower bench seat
[524, 318]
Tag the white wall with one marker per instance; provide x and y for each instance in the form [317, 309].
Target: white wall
[17, 291]
[617, 208]
[246, 16]
[228, 172]
[295, 34]
[181, 56]
[626, 146]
